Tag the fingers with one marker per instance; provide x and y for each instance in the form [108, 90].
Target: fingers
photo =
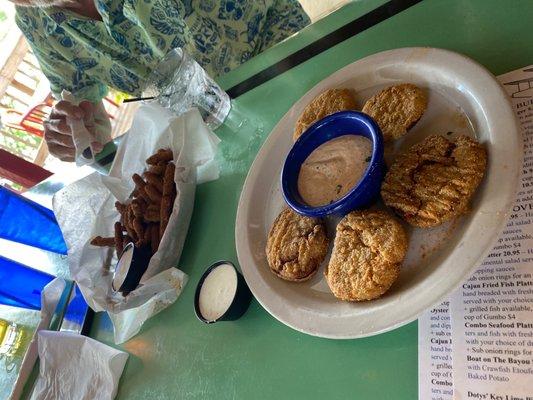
[61, 152]
[57, 131]
[57, 125]
[67, 109]
[97, 147]
[90, 123]
[88, 110]
[59, 139]
[88, 115]
[58, 134]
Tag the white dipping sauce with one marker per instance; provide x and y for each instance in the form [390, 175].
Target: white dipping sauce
[217, 292]
[123, 267]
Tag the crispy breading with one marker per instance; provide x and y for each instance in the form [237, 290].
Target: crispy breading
[296, 246]
[103, 241]
[326, 103]
[119, 238]
[368, 250]
[396, 109]
[434, 180]
[162, 155]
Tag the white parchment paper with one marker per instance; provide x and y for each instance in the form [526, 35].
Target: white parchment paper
[86, 209]
[76, 367]
[50, 297]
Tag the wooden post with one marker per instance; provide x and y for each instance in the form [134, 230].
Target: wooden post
[9, 70]
[21, 171]
[42, 154]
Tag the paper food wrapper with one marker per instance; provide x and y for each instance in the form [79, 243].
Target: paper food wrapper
[76, 367]
[86, 209]
[82, 137]
[50, 297]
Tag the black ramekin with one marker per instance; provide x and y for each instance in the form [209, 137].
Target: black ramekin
[240, 302]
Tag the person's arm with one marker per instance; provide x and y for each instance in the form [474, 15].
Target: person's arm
[62, 75]
[283, 19]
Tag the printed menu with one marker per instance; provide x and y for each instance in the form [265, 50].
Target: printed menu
[478, 344]
[435, 354]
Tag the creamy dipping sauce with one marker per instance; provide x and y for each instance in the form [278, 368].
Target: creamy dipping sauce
[217, 292]
[123, 268]
[333, 169]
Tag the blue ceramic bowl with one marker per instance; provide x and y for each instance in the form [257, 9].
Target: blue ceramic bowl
[331, 127]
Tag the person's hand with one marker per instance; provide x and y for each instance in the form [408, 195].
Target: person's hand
[57, 132]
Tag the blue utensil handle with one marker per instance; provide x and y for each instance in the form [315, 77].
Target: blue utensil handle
[21, 286]
[26, 222]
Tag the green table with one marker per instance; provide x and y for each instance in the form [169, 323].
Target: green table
[257, 357]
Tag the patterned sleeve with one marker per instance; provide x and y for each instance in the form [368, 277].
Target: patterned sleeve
[61, 73]
[284, 18]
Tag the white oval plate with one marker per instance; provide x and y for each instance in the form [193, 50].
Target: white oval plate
[463, 97]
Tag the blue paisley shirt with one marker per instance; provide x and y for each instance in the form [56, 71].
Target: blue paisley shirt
[86, 56]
